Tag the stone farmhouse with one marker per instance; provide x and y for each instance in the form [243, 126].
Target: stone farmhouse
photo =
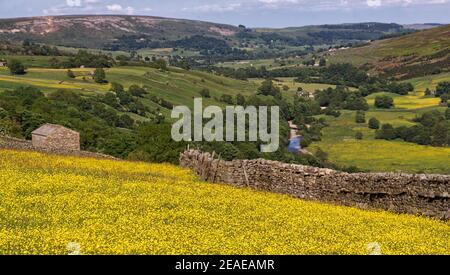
[55, 137]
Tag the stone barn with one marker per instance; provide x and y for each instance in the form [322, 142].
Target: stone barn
[56, 137]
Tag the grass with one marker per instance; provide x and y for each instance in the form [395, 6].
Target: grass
[51, 204]
[380, 155]
[371, 154]
[293, 86]
[415, 100]
[33, 61]
[177, 86]
[430, 82]
[421, 43]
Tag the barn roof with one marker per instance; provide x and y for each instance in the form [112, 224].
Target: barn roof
[48, 129]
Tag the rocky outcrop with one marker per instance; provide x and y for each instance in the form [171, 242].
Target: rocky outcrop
[403, 193]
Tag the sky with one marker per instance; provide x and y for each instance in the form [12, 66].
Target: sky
[251, 13]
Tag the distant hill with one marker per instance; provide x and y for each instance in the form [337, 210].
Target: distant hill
[120, 32]
[96, 31]
[418, 54]
[424, 26]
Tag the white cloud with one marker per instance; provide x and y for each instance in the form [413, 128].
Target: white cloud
[216, 7]
[73, 3]
[130, 10]
[373, 3]
[118, 8]
[304, 5]
[114, 7]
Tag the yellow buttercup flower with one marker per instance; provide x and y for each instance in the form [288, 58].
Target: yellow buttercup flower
[68, 205]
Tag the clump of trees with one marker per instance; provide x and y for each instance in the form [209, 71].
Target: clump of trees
[126, 101]
[267, 88]
[433, 129]
[341, 98]
[24, 109]
[16, 67]
[443, 91]
[384, 102]
[83, 58]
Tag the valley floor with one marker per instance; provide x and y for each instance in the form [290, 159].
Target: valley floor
[52, 204]
[375, 155]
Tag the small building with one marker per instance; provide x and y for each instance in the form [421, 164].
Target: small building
[3, 63]
[56, 137]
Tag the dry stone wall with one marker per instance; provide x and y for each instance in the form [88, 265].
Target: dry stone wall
[403, 193]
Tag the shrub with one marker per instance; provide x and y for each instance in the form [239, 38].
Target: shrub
[387, 132]
[228, 99]
[384, 102]
[99, 75]
[359, 136]
[205, 93]
[374, 124]
[70, 74]
[16, 67]
[135, 90]
[360, 117]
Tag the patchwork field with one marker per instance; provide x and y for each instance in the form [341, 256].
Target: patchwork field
[381, 155]
[55, 205]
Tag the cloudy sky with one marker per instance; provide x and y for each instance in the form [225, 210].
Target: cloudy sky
[253, 13]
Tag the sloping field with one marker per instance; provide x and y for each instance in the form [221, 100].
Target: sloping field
[420, 43]
[52, 204]
[177, 86]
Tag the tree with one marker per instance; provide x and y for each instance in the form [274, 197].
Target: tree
[205, 93]
[322, 62]
[360, 117]
[123, 60]
[99, 75]
[160, 64]
[387, 132]
[440, 134]
[16, 67]
[228, 99]
[70, 74]
[374, 123]
[447, 114]
[125, 121]
[384, 102]
[116, 87]
[125, 98]
[268, 89]
[443, 88]
[240, 100]
[135, 90]
[443, 91]
[111, 100]
[428, 92]
[359, 136]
